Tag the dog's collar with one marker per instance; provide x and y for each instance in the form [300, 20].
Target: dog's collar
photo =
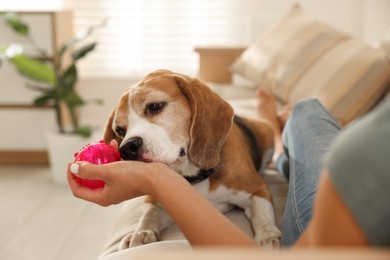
[202, 175]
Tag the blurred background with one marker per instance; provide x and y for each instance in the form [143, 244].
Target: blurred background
[142, 36]
[39, 218]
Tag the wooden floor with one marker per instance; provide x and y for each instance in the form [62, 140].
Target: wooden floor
[41, 220]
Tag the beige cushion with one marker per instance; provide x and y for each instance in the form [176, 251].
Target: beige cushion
[302, 57]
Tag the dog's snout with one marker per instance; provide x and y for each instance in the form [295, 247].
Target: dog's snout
[129, 151]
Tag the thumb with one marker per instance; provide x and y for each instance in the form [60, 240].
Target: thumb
[114, 144]
[86, 170]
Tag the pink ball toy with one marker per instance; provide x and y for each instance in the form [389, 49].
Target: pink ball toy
[96, 153]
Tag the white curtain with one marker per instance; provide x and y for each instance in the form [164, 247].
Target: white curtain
[144, 35]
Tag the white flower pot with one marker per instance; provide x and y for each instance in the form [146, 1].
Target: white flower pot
[61, 149]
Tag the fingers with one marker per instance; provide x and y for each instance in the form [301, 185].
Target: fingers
[123, 180]
[93, 195]
[87, 170]
[114, 144]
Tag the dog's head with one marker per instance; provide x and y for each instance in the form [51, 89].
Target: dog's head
[170, 118]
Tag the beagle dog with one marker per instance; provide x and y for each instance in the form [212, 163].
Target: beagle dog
[177, 120]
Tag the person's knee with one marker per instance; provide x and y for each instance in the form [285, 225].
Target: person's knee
[306, 111]
[307, 108]
[308, 105]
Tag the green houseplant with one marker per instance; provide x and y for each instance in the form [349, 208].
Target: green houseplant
[53, 77]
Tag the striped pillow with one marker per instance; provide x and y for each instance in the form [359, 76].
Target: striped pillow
[301, 57]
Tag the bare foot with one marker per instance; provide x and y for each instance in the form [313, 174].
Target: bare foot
[266, 108]
[284, 114]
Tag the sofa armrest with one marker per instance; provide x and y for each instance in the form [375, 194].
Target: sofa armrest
[254, 254]
[215, 62]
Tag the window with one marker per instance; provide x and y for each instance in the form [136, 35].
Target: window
[144, 35]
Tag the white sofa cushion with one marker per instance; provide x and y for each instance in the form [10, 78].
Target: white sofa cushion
[301, 57]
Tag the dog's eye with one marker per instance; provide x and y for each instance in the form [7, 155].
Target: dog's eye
[154, 108]
[120, 131]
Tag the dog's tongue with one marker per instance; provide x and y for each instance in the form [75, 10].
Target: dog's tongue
[148, 158]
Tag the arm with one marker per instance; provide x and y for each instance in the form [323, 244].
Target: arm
[200, 222]
[332, 223]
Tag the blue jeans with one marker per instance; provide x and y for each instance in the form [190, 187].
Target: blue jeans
[306, 138]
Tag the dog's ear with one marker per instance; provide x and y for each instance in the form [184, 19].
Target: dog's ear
[109, 132]
[211, 121]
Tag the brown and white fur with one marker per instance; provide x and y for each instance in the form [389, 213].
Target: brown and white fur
[177, 120]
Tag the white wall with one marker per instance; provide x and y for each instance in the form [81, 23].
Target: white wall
[365, 19]
[41, 5]
[376, 19]
[108, 90]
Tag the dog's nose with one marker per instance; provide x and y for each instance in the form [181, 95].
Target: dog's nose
[129, 151]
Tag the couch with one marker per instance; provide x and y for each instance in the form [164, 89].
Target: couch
[297, 57]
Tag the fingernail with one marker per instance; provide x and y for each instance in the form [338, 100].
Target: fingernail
[74, 168]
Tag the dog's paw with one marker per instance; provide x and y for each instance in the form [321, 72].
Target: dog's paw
[125, 242]
[269, 239]
[143, 237]
[138, 238]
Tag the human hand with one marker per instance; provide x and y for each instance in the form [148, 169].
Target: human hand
[123, 180]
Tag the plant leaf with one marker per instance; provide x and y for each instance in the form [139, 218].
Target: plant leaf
[10, 51]
[37, 88]
[81, 36]
[95, 101]
[43, 100]
[74, 100]
[17, 24]
[69, 78]
[80, 53]
[34, 69]
[84, 131]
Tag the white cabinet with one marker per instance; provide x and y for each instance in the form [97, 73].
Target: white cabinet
[23, 126]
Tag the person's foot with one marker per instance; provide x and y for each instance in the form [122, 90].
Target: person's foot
[266, 108]
[284, 114]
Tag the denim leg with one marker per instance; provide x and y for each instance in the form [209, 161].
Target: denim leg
[306, 138]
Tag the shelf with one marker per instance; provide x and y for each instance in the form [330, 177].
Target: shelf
[24, 157]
